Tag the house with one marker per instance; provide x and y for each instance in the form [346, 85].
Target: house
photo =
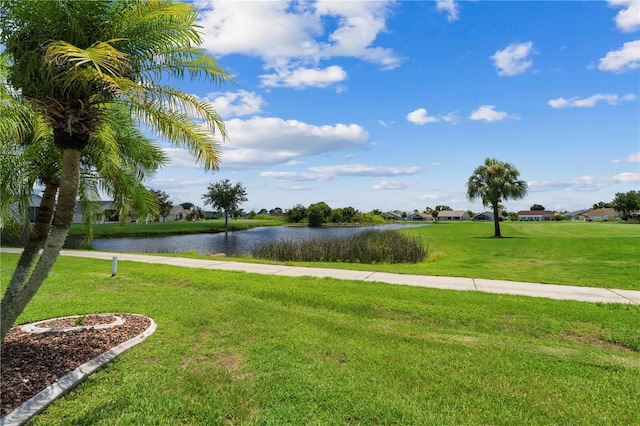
[394, 215]
[108, 214]
[575, 215]
[605, 215]
[177, 213]
[453, 215]
[536, 215]
[420, 216]
[484, 217]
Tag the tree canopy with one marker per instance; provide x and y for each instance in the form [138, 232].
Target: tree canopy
[225, 197]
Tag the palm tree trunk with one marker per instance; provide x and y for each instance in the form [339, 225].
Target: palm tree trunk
[10, 310]
[37, 237]
[496, 222]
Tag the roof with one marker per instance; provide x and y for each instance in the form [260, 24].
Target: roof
[601, 212]
[422, 215]
[536, 213]
[452, 213]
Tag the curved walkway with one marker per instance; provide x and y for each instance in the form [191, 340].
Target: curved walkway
[551, 291]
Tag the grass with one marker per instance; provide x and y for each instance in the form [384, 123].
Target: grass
[158, 228]
[570, 253]
[238, 348]
[371, 246]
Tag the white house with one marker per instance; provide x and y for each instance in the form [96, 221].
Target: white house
[536, 215]
[453, 215]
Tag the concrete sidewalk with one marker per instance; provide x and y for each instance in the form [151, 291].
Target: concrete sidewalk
[551, 291]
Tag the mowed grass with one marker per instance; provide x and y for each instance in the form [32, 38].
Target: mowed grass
[238, 348]
[172, 228]
[570, 253]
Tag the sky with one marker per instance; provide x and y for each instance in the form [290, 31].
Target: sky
[392, 105]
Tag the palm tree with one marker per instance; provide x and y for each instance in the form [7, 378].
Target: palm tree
[71, 60]
[493, 182]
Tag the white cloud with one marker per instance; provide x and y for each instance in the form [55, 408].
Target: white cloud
[236, 104]
[364, 170]
[181, 158]
[591, 101]
[260, 141]
[514, 59]
[584, 183]
[450, 7]
[420, 117]
[324, 173]
[292, 37]
[628, 19]
[304, 77]
[634, 157]
[295, 176]
[625, 59]
[393, 184]
[488, 113]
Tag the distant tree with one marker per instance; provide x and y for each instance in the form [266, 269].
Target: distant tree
[537, 207]
[435, 213]
[336, 216]
[187, 206]
[376, 212]
[428, 210]
[296, 214]
[164, 203]
[196, 213]
[326, 210]
[440, 208]
[225, 197]
[348, 214]
[602, 205]
[404, 215]
[263, 211]
[315, 215]
[276, 211]
[493, 182]
[626, 203]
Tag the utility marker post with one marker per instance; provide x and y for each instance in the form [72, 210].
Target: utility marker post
[114, 266]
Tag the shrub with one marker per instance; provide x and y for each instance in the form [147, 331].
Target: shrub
[365, 247]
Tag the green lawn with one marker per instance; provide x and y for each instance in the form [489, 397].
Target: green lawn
[571, 253]
[157, 228]
[238, 348]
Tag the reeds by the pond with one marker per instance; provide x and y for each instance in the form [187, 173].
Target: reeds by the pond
[365, 247]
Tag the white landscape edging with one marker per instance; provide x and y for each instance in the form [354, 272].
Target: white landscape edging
[70, 380]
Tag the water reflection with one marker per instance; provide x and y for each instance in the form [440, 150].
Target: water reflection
[229, 243]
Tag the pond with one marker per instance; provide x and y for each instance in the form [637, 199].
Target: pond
[229, 243]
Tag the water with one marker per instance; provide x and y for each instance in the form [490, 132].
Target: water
[229, 243]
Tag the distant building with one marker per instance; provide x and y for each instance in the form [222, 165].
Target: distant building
[536, 215]
[394, 215]
[575, 215]
[484, 217]
[453, 215]
[606, 215]
[420, 216]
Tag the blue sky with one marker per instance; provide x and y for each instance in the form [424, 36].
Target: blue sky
[391, 105]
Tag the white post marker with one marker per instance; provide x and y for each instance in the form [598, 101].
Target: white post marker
[114, 266]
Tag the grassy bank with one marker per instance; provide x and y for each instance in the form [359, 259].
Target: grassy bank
[159, 228]
[571, 253]
[237, 348]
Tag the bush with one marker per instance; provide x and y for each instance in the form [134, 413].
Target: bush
[365, 247]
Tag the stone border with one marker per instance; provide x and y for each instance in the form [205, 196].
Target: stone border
[70, 380]
[34, 327]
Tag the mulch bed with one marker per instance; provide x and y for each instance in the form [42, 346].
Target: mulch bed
[32, 362]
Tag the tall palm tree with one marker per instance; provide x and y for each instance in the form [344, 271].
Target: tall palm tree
[493, 182]
[70, 60]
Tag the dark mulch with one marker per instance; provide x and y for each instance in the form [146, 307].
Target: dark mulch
[31, 362]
